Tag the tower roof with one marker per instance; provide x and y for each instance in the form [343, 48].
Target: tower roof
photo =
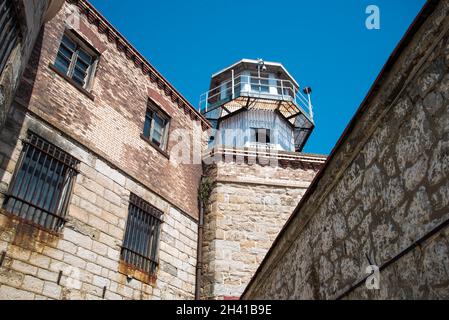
[271, 65]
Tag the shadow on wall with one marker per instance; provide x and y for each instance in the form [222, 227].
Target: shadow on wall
[10, 142]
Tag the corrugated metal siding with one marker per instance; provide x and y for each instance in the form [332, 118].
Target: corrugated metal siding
[235, 131]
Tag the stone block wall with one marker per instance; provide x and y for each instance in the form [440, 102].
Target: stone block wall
[247, 208]
[383, 197]
[83, 260]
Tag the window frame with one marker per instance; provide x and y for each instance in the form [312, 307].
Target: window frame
[80, 45]
[259, 83]
[147, 263]
[257, 135]
[159, 112]
[58, 206]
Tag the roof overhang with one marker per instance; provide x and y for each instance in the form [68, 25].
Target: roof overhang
[252, 61]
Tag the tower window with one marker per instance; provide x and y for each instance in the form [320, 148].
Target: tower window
[141, 240]
[259, 135]
[156, 126]
[42, 184]
[260, 84]
[75, 60]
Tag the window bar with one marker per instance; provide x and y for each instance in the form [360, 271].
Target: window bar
[141, 238]
[38, 190]
[148, 242]
[48, 203]
[29, 182]
[138, 237]
[133, 234]
[20, 163]
[60, 194]
[44, 190]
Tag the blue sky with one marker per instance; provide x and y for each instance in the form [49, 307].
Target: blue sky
[323, 44]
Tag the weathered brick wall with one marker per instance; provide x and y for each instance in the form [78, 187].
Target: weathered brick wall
[247, 208]
[383, 196]
[88, 248]
[111, 124]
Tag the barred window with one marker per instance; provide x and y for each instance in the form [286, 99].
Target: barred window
[75, 60]
[42, 184]
[9, 31]
[141, 241]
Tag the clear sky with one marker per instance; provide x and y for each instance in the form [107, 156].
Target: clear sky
[323, 44]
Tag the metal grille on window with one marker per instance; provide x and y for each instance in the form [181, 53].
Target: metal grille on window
[74, 61]
[9, 31]
[42, 184]
[142, 235]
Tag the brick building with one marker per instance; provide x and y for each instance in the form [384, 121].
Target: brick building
[100, 167]
[113, 186]
[93, 205]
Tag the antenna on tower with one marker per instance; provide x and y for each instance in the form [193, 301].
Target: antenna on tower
[308, 92]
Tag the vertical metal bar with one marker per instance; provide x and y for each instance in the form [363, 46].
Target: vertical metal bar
[148, 247]
[48, 202]
[17, 173]
[42, 195]
[139, 237]
[36, 187]
[29, 183]
[233, 85]
[156, 243]
[24, 170]
[133, 232]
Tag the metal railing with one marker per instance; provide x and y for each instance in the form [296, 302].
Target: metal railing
[9, 31]
[264, 87]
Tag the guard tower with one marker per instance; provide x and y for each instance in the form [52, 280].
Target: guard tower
[260, 102]
[255, 167]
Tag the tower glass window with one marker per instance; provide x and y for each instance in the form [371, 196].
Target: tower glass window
[141, 240]
[42, 184]
[260, 84]
[75, 60]
[156, 126]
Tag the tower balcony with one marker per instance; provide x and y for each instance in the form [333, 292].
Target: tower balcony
[260, 91]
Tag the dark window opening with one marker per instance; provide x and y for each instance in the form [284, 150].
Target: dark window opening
[75, 61]
[259, 135]
[141, 241]
[42, 184]
[156, 126]
[9, 31]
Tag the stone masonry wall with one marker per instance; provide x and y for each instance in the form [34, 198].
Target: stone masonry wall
[383, 198]
[248, 206]
[88, 248]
